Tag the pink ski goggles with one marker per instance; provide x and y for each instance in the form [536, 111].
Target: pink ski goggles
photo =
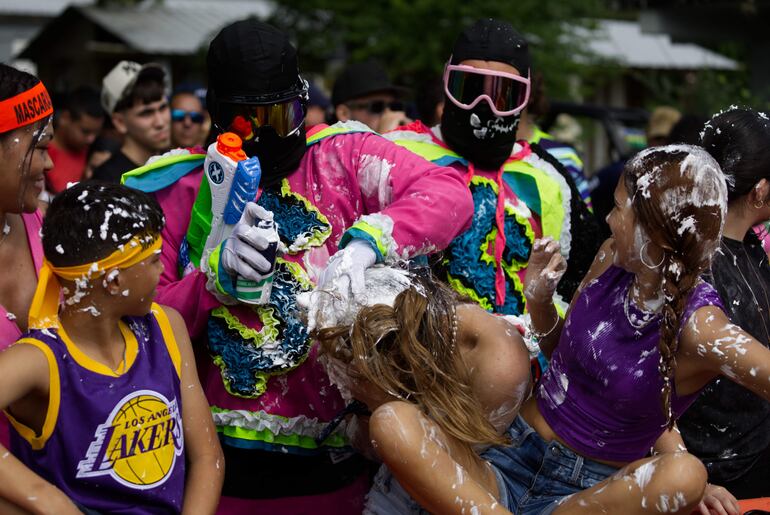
[466, 86]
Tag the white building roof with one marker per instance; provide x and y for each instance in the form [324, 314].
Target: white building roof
[41, 8]
[625, 43]
[173, 26]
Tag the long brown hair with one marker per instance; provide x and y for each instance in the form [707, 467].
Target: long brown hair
[679, 197]
[409, 351]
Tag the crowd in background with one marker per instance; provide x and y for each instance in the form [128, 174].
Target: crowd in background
[510, 331]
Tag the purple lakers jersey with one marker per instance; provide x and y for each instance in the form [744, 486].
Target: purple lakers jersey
[112, 441]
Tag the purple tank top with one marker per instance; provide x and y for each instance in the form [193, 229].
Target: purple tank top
[602, 391]
[113, 442]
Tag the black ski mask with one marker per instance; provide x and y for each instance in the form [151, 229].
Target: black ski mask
[477, 134]
[480, 136]
[252, 63]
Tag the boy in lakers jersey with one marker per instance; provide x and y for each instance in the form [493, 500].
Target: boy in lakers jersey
[102, 392]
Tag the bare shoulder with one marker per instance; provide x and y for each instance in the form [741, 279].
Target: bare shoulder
[174, 317]
[496, 356]
[484, 331]
[474, 323]
[177, 323]
[24, 367]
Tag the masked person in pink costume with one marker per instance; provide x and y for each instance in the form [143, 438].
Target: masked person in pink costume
[24, 138]
[343, 199]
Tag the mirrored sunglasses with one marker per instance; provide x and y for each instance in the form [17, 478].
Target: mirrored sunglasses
[246, 119]
[377, 106]
[178, 115]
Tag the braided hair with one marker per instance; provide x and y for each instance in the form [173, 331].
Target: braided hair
[679, 197]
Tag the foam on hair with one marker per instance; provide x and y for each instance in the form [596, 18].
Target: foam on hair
[90, 220]
[679, 198]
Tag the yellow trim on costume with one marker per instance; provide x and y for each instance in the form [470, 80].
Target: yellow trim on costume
[132, 350]
[45, 304]
[168, 338]
[54, 399]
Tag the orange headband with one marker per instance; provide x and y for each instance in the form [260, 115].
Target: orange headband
[25, 108]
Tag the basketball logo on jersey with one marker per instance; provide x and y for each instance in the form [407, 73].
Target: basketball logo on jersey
[138, 443]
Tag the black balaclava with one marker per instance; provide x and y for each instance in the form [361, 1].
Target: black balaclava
[250, 62]
[477, 134]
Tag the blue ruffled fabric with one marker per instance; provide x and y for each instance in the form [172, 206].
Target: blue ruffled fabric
[246, 366]
[291, 215]
[464, 253]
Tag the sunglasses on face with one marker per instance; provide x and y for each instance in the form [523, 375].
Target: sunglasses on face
[246, 119]
[377, 106]
[178, 115]
[466, 86]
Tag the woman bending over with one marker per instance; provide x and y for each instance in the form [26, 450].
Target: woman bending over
[443, 379]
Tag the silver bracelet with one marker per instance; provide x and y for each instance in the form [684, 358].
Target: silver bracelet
[538, 336]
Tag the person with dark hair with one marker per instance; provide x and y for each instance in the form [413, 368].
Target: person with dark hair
[102, 391]
[728, 427]
[363, 93]
[78, 122]
[98, 153]
[687, 130]
[342, 198]
[441, 377]
[136, 98]
[430, 101]
[26, 132]
[641, 339]
[520, 192]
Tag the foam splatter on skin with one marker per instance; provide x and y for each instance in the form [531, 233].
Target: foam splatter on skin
[434, 451]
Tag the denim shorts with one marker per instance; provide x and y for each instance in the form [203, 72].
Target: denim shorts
[539, 474]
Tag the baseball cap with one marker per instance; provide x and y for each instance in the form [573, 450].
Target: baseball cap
[361, 79]
[118, 84]
[493, 40]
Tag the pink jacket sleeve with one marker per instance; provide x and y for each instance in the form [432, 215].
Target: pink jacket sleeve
[188, 294]
[413, 206]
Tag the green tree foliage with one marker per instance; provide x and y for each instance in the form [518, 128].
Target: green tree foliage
[413, 38]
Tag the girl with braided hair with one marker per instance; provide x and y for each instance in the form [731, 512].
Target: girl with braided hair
[641, 338]
[442, 379]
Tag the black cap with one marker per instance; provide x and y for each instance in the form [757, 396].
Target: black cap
[362, 79]
[251, 62]
[493, 40]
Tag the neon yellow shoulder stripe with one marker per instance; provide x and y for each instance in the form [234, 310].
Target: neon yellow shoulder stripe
[551, 205]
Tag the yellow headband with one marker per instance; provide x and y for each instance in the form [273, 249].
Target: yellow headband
[45, 304]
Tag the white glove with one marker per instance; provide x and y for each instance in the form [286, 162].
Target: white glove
[342, 281]
[242, 253]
